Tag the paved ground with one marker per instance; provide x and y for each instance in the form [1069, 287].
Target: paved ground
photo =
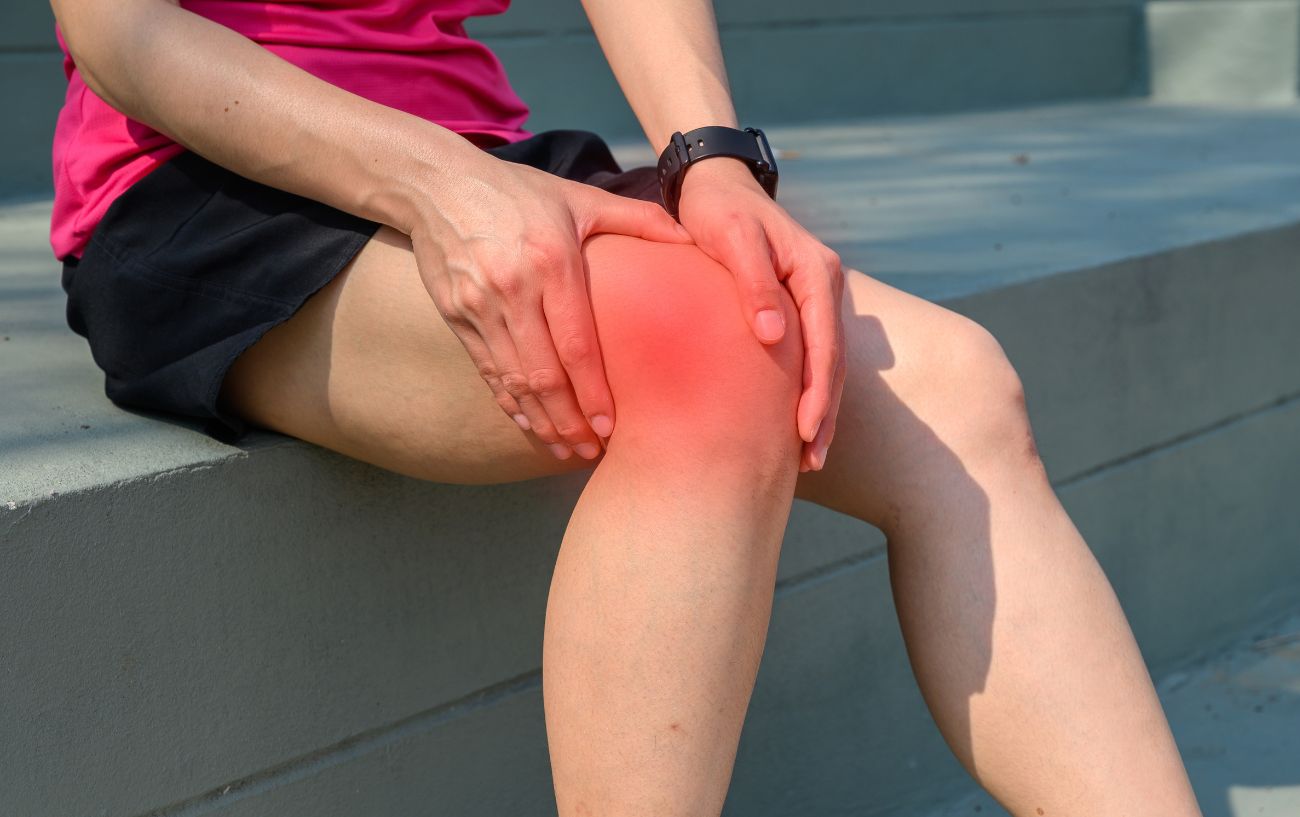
[1236, 716]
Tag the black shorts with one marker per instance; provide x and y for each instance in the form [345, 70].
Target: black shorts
[192, 264]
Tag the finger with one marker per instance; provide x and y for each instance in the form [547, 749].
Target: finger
[807, 382]
[515, 380]
[452, 310]
[604, 212]
[567, 308]
[548, 380]
[746, 251]
[487, 369]
[817, 450]
[819, 320]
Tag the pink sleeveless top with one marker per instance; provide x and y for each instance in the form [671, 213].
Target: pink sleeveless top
[412, 55]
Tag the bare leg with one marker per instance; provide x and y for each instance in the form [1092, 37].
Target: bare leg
[1017, 640]
[663, 589]
[662, 593]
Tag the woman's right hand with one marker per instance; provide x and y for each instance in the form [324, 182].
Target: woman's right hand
[499, 251]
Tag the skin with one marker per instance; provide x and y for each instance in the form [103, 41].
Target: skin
[662, 590]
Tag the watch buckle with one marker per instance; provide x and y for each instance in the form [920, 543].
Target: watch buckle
[681, 149]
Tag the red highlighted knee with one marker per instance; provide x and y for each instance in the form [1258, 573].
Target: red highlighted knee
[679, 355]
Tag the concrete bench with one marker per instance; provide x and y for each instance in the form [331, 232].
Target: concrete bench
[194, 628]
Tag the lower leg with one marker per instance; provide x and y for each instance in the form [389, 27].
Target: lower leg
[1016, 638]
[1036, 680]
[656, 621]
[662, 590]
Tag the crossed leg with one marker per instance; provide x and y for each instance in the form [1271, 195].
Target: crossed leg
[662, 591]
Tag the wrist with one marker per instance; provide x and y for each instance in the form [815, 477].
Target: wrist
[411, 169]
[719, 170]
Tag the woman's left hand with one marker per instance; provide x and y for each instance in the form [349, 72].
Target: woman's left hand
[735, 222]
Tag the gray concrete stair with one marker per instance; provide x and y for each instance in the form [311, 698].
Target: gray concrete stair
[273, 629]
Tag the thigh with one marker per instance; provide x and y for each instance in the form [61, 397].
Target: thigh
[914, 377]
[368, 367]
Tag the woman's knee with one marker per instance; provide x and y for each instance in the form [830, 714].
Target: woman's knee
[989, 422]
[682, 363]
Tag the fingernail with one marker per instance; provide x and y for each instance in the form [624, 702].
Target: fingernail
[522, 421]
[602, 425]
[816, 428]
[819, 458]
[587, 451]
[770, 325]
[560, 450]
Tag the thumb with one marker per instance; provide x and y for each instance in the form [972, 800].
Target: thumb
[612, 213]
[747, 254]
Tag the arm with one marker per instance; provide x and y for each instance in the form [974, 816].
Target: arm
[226, 98]
[668, 62]
[675, 79]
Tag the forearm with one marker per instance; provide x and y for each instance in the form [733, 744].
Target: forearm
[228, 99]
[668, 62]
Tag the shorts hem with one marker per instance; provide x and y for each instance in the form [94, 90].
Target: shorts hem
[228, 427]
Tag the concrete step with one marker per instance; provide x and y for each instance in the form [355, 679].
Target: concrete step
[271, 628]
[1226, 51]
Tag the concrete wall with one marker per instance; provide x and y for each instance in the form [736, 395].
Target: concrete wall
[832, 59]
[32, 87]
[1236, 51]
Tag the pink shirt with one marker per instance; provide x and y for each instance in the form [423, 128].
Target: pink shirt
[412, 55]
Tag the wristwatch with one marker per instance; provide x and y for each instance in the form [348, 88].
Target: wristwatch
[685, 149]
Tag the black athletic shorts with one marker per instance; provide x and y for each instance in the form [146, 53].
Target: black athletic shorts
[193, 263]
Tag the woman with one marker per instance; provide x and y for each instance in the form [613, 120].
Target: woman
[327, 219]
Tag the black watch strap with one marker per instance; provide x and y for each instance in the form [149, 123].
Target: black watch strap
[688, 148]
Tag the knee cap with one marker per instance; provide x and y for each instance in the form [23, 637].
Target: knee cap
[677, 346]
